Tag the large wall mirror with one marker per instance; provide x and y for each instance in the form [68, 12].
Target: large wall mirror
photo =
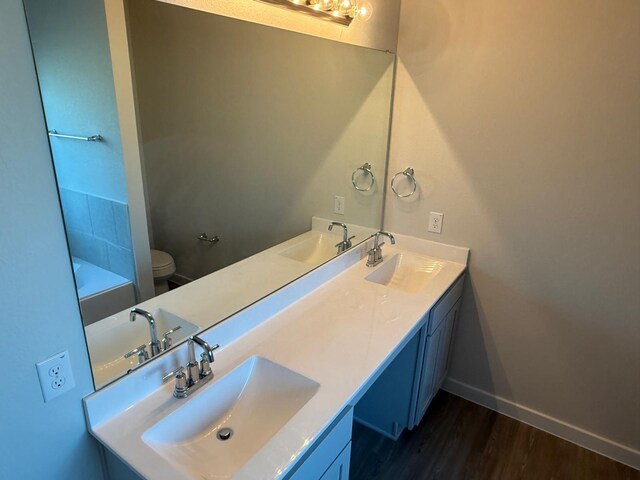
[251, 141]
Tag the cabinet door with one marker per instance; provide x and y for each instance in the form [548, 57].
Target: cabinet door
[444, 346]
[428, 380]
[435, 360]
[339, 469]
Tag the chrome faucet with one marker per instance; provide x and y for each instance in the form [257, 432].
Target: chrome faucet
[375, 254]
[345, 244]
[196, 374]
[155, 344]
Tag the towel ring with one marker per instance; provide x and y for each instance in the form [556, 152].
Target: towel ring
[409, 172]
[366, 168]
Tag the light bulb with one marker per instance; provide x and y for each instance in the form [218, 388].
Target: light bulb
[364, 11]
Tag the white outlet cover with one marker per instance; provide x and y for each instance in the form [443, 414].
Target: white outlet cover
[338, 205]
[56, 376]
[435, 222]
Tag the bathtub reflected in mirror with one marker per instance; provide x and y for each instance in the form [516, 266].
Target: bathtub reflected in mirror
[101, 292]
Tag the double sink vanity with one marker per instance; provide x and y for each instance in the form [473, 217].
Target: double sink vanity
[346, 341]
[281, 333]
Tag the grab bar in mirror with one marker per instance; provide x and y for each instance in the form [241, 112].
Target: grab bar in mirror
[92, 138]
[205, 238]
[366, 169]
[408, 173]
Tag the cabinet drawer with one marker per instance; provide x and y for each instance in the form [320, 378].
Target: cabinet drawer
[325, 450]
[439, 312]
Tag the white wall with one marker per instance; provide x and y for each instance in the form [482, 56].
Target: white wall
[522, 121]
[39, 311]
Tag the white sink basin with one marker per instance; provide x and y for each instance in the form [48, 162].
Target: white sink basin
[255, 400]
[314, 251]
[407, 272]
[109, 339]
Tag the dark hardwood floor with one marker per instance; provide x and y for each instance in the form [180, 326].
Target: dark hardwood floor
[458, 439]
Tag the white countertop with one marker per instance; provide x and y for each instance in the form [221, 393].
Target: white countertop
[340, 333]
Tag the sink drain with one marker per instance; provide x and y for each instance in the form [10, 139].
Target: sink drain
[225, 434]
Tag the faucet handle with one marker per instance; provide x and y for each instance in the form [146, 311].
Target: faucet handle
[205, 365]
[173, 374]
[166, 338]
[181, 389]
[141, 351]
[181, 386]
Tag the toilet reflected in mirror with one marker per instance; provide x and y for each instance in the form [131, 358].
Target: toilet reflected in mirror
[163, 269]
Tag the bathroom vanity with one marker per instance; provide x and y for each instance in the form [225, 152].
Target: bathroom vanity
[293, 371]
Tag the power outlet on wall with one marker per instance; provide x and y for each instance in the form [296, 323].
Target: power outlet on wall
[338, 205]
[55, 376]
[435, 222]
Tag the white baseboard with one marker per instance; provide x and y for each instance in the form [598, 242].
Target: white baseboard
[571, 433]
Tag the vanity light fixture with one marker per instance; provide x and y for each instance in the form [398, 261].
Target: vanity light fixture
[337, 11]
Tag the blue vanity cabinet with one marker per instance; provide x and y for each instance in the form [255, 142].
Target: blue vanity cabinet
[386, 407]
[437, 338]
[399, 397]
[328, 457]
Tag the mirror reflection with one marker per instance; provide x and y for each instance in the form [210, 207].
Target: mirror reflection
[262, 154]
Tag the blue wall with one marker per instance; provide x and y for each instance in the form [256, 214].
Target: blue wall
[73, 61]
[38, 307]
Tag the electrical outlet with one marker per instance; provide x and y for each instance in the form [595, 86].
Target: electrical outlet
[338, 205]
[58, 382]
[55, 376]
[435, 222]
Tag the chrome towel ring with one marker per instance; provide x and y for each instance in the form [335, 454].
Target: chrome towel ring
[409, 172]
[366, 168]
